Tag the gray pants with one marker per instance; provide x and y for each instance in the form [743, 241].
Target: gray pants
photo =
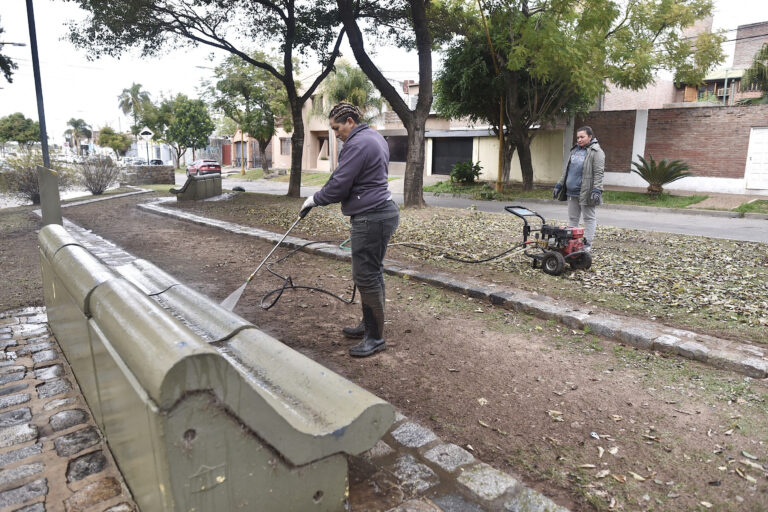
[576, 210]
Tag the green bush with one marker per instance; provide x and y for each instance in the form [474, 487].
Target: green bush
[659, 174]
[465, 172]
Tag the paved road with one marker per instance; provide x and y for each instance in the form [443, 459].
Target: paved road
[663, 220]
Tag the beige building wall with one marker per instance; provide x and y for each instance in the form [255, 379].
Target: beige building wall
[546, 154]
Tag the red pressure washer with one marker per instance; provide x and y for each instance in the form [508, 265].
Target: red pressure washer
[552, 246]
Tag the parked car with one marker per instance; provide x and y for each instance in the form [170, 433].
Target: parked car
[155, 161]
[200, 167]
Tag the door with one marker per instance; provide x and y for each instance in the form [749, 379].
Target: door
[756, 174]
[448, 151]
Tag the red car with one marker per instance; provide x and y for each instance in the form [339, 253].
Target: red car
[200, 167]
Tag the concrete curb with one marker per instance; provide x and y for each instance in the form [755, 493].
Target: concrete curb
[720, 353]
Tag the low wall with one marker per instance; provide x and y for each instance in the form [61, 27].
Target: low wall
[202, 411]
[199, 187]
[149, 175]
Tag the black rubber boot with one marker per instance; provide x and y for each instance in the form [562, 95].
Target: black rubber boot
[355, 332]
[373, 321]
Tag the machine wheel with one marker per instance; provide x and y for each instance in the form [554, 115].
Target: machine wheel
[553, 263]
[583, 262]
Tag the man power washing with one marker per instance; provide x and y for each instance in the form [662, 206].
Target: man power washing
[360, 184]
[582, 183]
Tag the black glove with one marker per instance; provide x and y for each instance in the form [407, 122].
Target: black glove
[596, 196]
[556, 191]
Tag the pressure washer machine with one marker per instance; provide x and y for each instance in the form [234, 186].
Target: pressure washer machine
[551, 247]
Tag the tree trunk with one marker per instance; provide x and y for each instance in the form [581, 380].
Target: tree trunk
[414, 168]
[297, 149]
[415, 120]
[526, 164]
[509, 152]
[262, 154]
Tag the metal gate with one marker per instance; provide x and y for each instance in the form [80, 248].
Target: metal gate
[756, 173]
[447, 152]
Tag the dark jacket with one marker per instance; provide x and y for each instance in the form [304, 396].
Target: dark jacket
[360, 180]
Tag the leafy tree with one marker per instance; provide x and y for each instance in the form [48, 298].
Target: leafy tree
[134, 101]
[20, 129]
[400, 19]
[19, 177]
[7, 66]
[757, 74]
[118, 142]
[78, 129]
[555, 58]
[190, 125]
[348, 83]
[303, 28]
[252, 97]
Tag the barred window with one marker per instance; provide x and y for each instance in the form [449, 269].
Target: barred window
[285, 146]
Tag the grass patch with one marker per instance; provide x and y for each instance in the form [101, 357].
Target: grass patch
[486, 191]
[308, 179]
[250, 174]
[664, 200]
[759, 206]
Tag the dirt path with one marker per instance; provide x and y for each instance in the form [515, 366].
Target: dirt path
[594, 425]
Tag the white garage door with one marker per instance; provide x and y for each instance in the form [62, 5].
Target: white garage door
[756, 174]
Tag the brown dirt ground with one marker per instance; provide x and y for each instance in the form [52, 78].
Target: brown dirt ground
[523, 393]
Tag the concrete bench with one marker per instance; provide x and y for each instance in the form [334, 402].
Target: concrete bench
[199, 187]
[201, 410]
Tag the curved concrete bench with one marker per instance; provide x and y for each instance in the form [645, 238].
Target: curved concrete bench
[199, 187]
[201, 410]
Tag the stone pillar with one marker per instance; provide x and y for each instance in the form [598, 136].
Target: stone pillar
[641, 130]
[50, 202]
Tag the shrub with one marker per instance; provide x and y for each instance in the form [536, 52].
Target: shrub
[19, 175]
[98, 173]
[465, 172]
[659, 174]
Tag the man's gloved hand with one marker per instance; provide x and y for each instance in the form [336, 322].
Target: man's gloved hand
[596, 196]
[556, 191]
[308, 204]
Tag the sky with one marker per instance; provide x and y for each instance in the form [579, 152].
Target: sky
[75, 87]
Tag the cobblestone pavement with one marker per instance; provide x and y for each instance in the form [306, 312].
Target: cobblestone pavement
[52, 455]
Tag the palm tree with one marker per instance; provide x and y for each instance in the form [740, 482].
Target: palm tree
[348, 83]
[133, 100]
[757, 75]
[79, 129]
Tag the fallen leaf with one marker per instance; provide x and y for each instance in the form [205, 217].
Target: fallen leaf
[705, 504]
[602, 474]
[483, 424]
[616, 417]
[620, 478]
[752, 464]
[587, 466]
[600, 451]
[636, 476]
[748, 455]
[613, 450]
[482, 401]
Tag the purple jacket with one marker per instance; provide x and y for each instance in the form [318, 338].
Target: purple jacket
[360, 180]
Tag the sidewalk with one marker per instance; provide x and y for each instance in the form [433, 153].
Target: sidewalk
[52, 455]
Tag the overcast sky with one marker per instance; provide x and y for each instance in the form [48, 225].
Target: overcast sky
[75, 87]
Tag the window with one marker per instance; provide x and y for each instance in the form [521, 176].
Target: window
[285, 146]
